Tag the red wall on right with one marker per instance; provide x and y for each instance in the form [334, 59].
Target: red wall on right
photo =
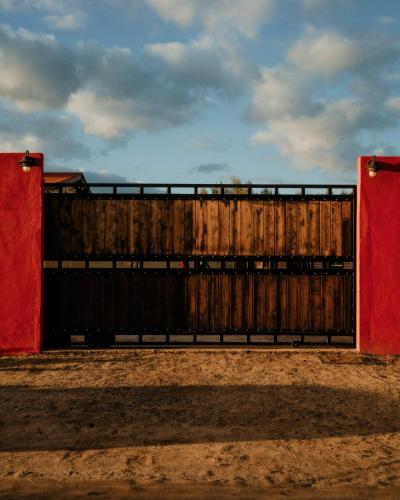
[378, 257]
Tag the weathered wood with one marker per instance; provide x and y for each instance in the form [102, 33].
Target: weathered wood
[280, 237]
[325, 228]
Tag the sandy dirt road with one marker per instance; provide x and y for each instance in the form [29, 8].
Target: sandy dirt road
[201, 423]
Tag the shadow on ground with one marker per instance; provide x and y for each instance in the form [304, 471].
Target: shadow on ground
[34, 419]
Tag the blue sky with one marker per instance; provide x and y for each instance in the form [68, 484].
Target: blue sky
[201, 90]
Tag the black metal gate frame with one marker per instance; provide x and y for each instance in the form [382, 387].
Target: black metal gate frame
[294, 265]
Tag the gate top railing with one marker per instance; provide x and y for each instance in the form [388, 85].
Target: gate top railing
[203, 189]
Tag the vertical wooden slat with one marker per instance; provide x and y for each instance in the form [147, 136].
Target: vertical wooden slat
[134, 227]
[234, 227]
[99, 231]
[303, 232]
[348, 302]
[258, 227]
[292, 306]
[291, 228]
[65, 229]
[347, 228]
[155, 221]
[236, 301]
[202, 301]
[325, 221]
[314, 236]
[336, 228]
[122, 232]
[144, 227]
[248, 301]
[167, 233]
[189, 227]
[110, 226]
[201, 227]
[338, 297]
[224, 301]
[283, 302]
[304, 302]
[316, 291]
[191, 300]
[280, 239]
[270, 315]
[223, 227]
[259, 301]
[212, 227]
[246, 228]
[269, 227]
[75, 227]
[327, 302]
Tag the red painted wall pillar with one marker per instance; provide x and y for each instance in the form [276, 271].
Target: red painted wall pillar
[378, 246]
[21, 255]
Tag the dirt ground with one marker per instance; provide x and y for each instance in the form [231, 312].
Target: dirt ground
[201, 423]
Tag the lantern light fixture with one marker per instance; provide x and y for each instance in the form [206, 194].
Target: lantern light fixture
[373, 167]
[27, 162]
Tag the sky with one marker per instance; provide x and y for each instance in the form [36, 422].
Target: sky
[269, 91]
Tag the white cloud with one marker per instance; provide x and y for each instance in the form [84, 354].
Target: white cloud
[214, 15]
[304, 116]
[110, 91]
[69, 22]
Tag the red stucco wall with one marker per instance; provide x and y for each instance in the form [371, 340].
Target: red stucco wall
[378, 270]
[21, 203]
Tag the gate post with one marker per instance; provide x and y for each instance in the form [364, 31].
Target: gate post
[21, 254]
[378, 256]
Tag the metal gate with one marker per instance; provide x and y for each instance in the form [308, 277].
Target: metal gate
[156, 264]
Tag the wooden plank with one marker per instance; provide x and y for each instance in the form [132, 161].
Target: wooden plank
[303, 301]
[51, 226]
[98, 243]
[316, 295]
[336, 228]
[258, 227]
[202, 302]
[291, 228]
[212, 227]
[110, 226]
[259, 300]
[271, 284]
[269, 227]
[280, 228]
[65, 227]
[283, 302]
[314, 226]
[122, 233]
[76, 227]
[348, 302]
[178, 226]
[144, 227]
[155, 221]
[248, 301]
[189, 236]
[246, 229]
[201, 227]
[223, 227]
[338, 299]
[292, 306]
[134, 227]
[347, 228]
[212, 309]
[302, 225]
[327, 302]
[167, 229]
[234, 218]
[236, 301]
[224, 301]
[191, 301]
[325, 228]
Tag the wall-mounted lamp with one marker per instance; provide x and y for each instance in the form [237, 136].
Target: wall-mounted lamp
[27, 162]
[373, 167]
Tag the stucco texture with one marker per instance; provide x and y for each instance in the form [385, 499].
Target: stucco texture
[21, 232]
[378, 270]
